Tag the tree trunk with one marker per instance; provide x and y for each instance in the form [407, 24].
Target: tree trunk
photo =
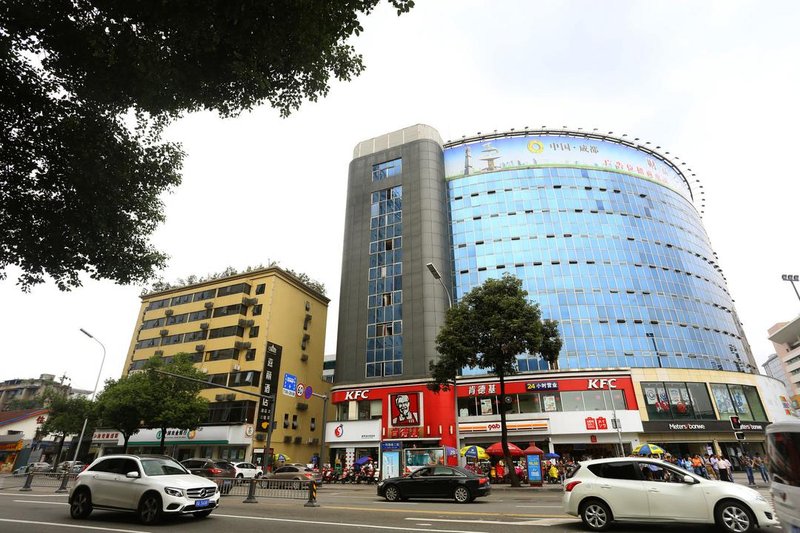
[162, 449]
[127, 438]
[58, 451]
[504, 433]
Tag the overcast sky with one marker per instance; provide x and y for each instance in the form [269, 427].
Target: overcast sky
[714, 83]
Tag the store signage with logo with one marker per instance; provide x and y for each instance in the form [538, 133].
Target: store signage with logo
[353, 431]
[701, 425]
[542, 385]
[527, 425]
[272, 368]
[289, 384]
[406, 433]
[482, 389]
[610, 383]
[593, 423]
[362, 394]
[105, 436]
[391, 445]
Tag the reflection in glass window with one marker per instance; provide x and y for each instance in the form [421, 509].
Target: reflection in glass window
[594, 400]
[656, 401]
[529, 403]
[572, 401]
[722, 399]
[701, 401]
[756, 408]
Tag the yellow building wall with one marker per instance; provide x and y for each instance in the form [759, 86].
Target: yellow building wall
[281, 322]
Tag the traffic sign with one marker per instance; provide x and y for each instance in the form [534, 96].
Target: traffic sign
[739, 435]
[736, 424]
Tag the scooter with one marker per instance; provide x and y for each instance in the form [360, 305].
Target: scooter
[327, 475]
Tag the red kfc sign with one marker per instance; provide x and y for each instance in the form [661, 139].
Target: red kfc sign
[404, 410]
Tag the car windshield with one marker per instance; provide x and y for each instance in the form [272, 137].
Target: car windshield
[162, 467]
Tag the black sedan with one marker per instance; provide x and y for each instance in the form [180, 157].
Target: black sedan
[436, 482]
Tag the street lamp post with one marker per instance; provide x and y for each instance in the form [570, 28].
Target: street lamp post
[324, 424]
[653, 338]
[97, 381]
[438, 277]
[791, 278]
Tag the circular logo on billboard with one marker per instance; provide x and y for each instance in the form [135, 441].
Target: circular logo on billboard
[300, 390]
[339, 431]
[536, 147]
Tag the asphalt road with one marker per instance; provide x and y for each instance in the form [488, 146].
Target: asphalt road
[342, 509]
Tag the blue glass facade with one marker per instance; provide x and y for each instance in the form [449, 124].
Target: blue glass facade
[384, 355]
[613, 249]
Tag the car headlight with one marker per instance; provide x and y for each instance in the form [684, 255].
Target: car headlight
[380, 483]
[178, 493]
[760, 498]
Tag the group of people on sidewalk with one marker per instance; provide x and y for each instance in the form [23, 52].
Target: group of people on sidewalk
[711, 466]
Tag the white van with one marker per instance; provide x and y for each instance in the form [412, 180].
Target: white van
[783, 450]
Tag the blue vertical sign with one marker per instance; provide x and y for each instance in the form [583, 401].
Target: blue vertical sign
[534, 469]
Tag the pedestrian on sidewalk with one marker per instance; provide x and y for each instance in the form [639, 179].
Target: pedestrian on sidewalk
[747, 463]
[724, 469]
[758, 462]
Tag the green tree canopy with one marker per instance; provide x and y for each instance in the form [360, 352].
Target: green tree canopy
[488, 328]
[174, 402]
[124, 404]
[66, 416]
[87, 87]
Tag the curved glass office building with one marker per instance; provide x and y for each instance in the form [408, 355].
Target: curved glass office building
[606, 238]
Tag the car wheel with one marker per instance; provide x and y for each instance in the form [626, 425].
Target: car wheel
[296, 485]
[239, 479]
[202, 514]
[392, 493]
[734, 517]
[462, 494]
[81, 504]
[149, 509]
[595, 515]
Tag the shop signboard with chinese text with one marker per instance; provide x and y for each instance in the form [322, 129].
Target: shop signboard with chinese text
[272, 368]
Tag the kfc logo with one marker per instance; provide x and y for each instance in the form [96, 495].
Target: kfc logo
[405, 409]
[339, 431]
[603, 383]
[357, 395]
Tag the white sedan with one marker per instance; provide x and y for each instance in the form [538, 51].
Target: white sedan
[248, 471]
[633, 489]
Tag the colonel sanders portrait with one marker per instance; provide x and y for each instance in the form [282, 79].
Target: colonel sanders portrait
[403, 413]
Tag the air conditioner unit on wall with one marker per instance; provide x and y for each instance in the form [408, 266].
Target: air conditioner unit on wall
[163, 332]
[298, 440]
[287, 439]
[200, 348]
[209, 305]
[302, 406]
[304, 357]
[168, 312]
[220, 397]
[236, 368]
[204, 325]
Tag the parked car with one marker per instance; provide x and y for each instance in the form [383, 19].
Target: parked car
[783, 450]
[37, 466]
[649, 490]
[73, 467]
[222, 472]
[247, 470]
[296, 471]
[436, 482]
[150, 486]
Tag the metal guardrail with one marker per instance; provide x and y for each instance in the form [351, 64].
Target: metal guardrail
[287, 489]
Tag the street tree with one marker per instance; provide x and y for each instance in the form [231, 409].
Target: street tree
[174, 402]
[66, 416]
[488, 328]
[87, 88]
[124, 404]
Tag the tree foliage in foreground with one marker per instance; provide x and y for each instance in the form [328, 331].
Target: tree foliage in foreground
[488, 328]
[124, 404]
[66, 416]
[174, 402]
[87, 88]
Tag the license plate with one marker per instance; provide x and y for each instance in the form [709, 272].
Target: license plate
[201, 503]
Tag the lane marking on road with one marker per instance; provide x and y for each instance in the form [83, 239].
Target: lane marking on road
[76, 526]
[41, 502]
[455, 513]
[538, 506]
[343, 524]
[542, 522]
[17, 495]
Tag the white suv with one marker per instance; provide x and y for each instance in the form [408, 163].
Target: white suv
[248, 470]
[147, 485]
[637, 489]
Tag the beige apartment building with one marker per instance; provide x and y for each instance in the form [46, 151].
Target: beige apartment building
[261, 331]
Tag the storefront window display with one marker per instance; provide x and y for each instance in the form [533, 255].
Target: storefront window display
[545, 402]
[343, 412]
[677, 401]
[370, 409]
[738, 400]
[418, 457]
